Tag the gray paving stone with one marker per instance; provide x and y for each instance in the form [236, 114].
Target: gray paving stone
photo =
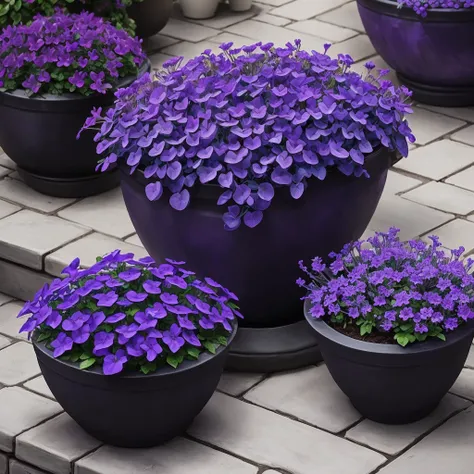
[358, 48]
[22, 283]
[20, 410]
[191, 50]
[392, 439]
[413, 219]
[398, 183]
[272, 19]
[3, 464]
[305, 9]
[443, 197]
[278, 442]
[54, 445]
[4, 171]
[310, 395]
[17, 467]
[463, 179]
[463, 113]
[323, 30]
[274, 3]
[347, 16]
[448, 449]
[179, 456]
[18, 363]
[25, 237]
[226, 37]
[464, 385]
[430, 161]
[428, 126]
[158, 41]
[4, 341]
[264, 32]
[17, 191]
[7, 208]
[6, 162]
[87, 249]
[466, 135]
[455, 234]
[187, 31]
[236, 383]
[360, 68]
[470, 359]
[9, 323]
[105, 213]
[158, 59]
[39, 386]
[226, 17]
[5, 299]
[134, 240]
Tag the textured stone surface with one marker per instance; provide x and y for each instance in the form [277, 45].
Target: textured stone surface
[9, 323]
[304, 9]
[466, 135]
[17, 467]
[463, 113]
[190, 50]
[187, 31]
[134, 240]
[392, 439]
[358, 48]
[87, 249]
[323, 30]
[6, 162]
[464, 385]
[235, 383]
[276, 441]
[176, 457]
[463, 179]
[443, 197]
[310, 395]
[398, 183]
[4, 299]
[18, 363]
[39, 385]
[20, 410]
[272, 19]
[3, 464]
[447, 449]
[346, 16]
[456, 233]
[430, 161]
[7, 208]
[54, 445]
[105, 213]
[25, 237]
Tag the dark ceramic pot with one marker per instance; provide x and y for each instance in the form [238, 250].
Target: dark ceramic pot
[261, 265]
[388, 383]
[39, 135]
[433, 56]
[133, 411]
[150, 16]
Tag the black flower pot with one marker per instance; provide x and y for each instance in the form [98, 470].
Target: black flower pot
[150, 16]
[133, 411]
[39, 135]
[388, 383]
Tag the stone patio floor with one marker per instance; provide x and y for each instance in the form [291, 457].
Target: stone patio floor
[293, 423]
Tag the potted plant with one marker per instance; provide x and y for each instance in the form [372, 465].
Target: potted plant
[240, 5]
[52, 73]
[199, 9]
[130, 349]
[262, 153]
[394, 322]
[417, 38]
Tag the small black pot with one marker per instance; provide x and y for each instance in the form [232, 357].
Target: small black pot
[388, 383]
[133, 411]
[150, 16]
[39, 135]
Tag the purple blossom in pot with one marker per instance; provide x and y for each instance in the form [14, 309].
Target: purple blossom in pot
[404, 292]
[251, 120]
[421, 7]
[67, 53]
[170, 315]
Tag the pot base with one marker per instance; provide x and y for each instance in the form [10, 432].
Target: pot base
[71, 187]
[273, 349]
[439, 95]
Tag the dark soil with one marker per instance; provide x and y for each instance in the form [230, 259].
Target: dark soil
[376, 336]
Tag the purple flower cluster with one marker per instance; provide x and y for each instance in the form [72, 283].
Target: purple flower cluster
[131, 314]
[67, 53]
[251, 120]
[421, 7]
[413, 290]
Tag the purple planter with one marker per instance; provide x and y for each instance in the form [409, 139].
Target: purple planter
[261, 265]
[433, 56]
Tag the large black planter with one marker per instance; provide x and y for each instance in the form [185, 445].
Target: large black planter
[150, 16]
[388, 383]
[133, 411]
[433, 56]
[261, 264]
[39, 135]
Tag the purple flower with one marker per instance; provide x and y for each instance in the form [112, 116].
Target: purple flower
[152, 348]
[61, 344]
[157, 311]
[106, 300]
[113, 363]
[135, 297]
[451, 323]
[103, 340]
[76, 321]
[128, 331]
[191, 338]
[177, 281]
[130, 275]
[152, 287]
[169, 298]
[173, 339]
[115, 318]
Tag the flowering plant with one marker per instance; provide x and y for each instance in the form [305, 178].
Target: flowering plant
[130, 314]
[67, 53]
[409, 291]
[13, 12]
[250, 120]
[422, 6]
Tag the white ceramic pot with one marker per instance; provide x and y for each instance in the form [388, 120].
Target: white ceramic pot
[240, 5]
[199, 9]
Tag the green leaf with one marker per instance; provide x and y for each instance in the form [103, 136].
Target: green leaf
[441, 336]
[84, 356]
[210, 346]
[42, 337]
[148, 367]
[174, 360]
[193, 352]
[402, 339]
[85, 364]
[222, 340]
[74, 357]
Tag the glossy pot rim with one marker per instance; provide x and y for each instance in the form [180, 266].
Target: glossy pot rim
[66, 367]
[438, 15]
[324, 330]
